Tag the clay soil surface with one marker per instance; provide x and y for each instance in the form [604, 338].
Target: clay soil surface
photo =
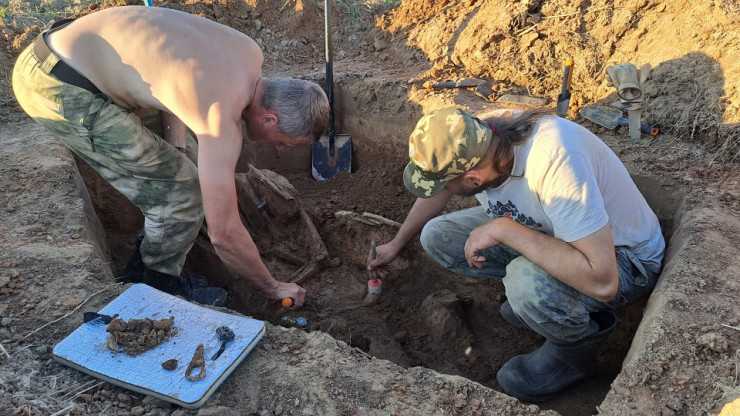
[426, 317]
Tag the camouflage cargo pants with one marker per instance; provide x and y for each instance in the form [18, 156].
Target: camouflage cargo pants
[548, 306]
[126, 150]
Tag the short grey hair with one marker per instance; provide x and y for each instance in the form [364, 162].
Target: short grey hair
[301, 106]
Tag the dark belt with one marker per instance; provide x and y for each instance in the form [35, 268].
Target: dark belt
[61, 70]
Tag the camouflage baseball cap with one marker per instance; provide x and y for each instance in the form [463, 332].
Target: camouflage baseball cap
[444, 145]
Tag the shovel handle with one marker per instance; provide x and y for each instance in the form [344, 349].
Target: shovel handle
[439, 84]
[644, 128]
[460, 83]
[653, 131]
[567, 77]
[329, 71]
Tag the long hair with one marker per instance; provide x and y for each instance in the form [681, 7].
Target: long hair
[510, 132]
[301, 106]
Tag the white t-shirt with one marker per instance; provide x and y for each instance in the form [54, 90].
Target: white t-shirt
[568, 184]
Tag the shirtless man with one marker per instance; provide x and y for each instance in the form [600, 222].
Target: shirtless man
[89, 81]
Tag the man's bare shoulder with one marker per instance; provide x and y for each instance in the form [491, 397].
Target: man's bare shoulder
[153, 57]
[159, 26]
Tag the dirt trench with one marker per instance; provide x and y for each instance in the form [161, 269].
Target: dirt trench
[427, 316]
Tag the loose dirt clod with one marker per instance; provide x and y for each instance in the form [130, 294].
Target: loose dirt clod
[170, 364]
[443, 315]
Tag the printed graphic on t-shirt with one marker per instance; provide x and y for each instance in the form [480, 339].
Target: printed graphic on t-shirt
[509, 210]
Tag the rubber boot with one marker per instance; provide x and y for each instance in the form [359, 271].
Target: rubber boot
[135, 268]
[542, 374]
[185, 286]
[510, 317]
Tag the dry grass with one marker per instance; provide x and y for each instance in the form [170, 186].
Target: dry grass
[728, 393]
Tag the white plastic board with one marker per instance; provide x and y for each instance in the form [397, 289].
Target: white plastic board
[85, 349]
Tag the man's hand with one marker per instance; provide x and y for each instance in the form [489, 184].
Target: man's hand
[480, 239]
[290, 290]
[587, 265]
[423, 210]
[385, 253]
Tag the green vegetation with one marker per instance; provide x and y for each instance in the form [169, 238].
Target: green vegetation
[360, 10]
[24, 13]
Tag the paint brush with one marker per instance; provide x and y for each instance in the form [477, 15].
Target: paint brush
[374, 285]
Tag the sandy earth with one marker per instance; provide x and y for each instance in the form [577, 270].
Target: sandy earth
[66, 235]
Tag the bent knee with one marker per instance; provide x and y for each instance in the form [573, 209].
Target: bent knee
[428, 236]
[440, 235]
[523, 278]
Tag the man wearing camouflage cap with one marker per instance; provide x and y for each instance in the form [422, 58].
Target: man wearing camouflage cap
[560, 221]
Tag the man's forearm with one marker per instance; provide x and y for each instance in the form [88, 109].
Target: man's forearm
[240, 255]
[587, 265]
[421, 212]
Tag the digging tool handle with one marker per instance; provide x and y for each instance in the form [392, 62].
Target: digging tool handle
[647, 129]
[460, 83]
[644, 128]
[564, 97]
[437, 84]
[568, 77]
[374, 255]
[329, 74]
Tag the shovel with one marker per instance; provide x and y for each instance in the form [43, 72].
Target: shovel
[611, 118]
[332, 153]
[563, 102]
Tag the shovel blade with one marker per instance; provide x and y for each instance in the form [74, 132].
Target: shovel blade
[328, 159]
[561, 108]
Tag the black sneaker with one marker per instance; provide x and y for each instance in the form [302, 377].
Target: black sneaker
[214, 296]
[186, 286]
[135, 269]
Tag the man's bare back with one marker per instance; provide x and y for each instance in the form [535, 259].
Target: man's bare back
[153, 57]
[203, 77]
